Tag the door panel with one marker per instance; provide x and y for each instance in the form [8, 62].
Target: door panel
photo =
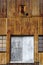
[22, 49]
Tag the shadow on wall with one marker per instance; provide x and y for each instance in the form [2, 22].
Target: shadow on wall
[36, 63]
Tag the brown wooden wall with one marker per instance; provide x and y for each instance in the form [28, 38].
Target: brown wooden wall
[27, 26]
[21, 26]
[12, 23]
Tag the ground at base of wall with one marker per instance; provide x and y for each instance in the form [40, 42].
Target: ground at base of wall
[37, 63]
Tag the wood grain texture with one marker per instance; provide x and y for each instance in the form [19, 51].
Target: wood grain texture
[2, 26]
[22, 26]
[15, 9]
[3, 8]
[28, 26]
[16, 24]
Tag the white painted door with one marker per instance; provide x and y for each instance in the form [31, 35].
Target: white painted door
[22, 49]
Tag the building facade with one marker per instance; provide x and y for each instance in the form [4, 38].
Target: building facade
[21, 19]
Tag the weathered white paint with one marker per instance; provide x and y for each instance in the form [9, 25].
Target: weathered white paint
[22, 49]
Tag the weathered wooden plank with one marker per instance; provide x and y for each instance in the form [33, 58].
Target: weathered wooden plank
[2, 26]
